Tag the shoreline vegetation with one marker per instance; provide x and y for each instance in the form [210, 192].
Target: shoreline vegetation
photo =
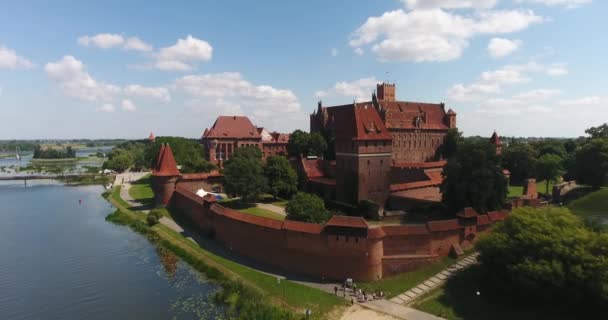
[246, 293]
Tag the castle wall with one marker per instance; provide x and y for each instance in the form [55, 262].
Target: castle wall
[410, 145]
[309, 249]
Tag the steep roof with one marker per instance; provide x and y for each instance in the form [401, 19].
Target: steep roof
[359, 121]
[312, 167]
[167, 167]
[495, 139]
[232, 127]
[403, 115]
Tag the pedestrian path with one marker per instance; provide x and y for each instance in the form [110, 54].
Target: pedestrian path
[435, 281]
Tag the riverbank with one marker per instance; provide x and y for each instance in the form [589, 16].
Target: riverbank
[247, 292]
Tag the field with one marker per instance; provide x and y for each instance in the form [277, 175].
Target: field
[251, 209]
[141, 191]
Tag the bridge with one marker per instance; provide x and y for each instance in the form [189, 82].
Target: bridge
[25, 178]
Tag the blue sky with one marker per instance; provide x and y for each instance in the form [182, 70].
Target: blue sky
[78, 69]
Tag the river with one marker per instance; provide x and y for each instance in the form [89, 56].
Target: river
[61, 260]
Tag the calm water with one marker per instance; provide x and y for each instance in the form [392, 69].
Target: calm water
[10, 166]
[62, 260]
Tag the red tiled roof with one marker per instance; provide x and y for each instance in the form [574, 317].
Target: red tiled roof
[483, 220]
[443, 225]
[189, 194]
[403, 114]
[425, 165]
[232, 127]
[467, 213]
[200, 175]
[497, 215]
[359, 121]
[312, 167]
[346, 221]
[303, 227]
[159, 156]
[434, 179]
[167, 166]
[247, 218]
[428, 194]
[406, 229]
[450, 111]
[495, 139]
[323, 180]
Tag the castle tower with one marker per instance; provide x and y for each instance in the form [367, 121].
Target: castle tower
[151, 137]
[164, 176]
[495, 140]
[386, 91]
[450, 119]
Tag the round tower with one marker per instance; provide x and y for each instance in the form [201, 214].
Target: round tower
[164, 176]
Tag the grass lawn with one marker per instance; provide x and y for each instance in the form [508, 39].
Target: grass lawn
[280, 203]
[400, 283]
[250, 208]
[516, 191]
[289, 294]
[142, 191]
[458, 300]
[592, 204]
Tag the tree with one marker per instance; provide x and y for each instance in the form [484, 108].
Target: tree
[598, 132]
[546, 254]
[118, 163]
[282, 179]
[520, 160]
[249, 152]
[307, 208]
[450, 143]
[592, 163]
[188, 153]
[244, 177]
[473, 178]
[306, 144]
[549, 167]
[550, 147]
[316, 144]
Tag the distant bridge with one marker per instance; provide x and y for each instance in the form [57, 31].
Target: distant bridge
[25, 178]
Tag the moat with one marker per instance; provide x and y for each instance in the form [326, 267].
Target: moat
[61, 260]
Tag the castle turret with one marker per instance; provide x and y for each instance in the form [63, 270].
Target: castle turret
[450, 119]
[164, 176]
[495, 140]
[151, 137]
[386, 91]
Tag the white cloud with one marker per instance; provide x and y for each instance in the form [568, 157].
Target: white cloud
[71, 76]
[492, 82]
[128, 105]
[581, 102]
[102, 40]
[10, 60]
[360, 90]
[155, 93]
[434, 34]
[334, 52]
[538, 94]
[136, 44]
[568, 4]
[180, 56]
[359, 51]
[500, 47]
[229, 91]
[557, 70]
[450, 4]
[106, 108]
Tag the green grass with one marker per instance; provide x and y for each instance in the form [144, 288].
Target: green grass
[516, 191]
[251, 209]
[288, 294]
[393, 286]
[281, 203]
[458, 300]
[592, 204]
[141, 190]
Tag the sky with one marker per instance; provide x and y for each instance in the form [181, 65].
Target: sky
[123, 69]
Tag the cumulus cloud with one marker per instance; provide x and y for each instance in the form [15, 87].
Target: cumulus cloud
[75, 82]
[580, 102]
[449, 4]
[359, 51]
[137, 44]
[568, 4]
[360, 90]
[106, 108]
[181, 55]
[500, 47]
[538, 94]
[128, 105]
[557, 70]
[9, 59]
[230, 91]
[155, 93]
[102, 40]
[434, 34]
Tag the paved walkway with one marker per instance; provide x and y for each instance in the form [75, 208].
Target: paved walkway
[433, 282]
[124, 180]
[272, 208]
[398, 311]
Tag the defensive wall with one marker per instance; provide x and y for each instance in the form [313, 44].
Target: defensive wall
[344, 247]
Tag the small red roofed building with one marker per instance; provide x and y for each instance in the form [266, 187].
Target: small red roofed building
[164, 175]
[229, 133]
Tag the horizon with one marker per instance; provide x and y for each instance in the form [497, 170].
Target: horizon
[525, 68]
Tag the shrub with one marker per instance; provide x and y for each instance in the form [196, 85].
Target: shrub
[153, 217]
[307, 208]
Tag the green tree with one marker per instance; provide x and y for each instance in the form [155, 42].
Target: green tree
[450, 143]
[307, 208]
[249, 152]
[306, 144]
[520, 160]
[549, 167]
[546, 254]
[598, 132]
[473, 178]
[282, 179]
[316, 145]
[188, 153]
[550, 147]
[244, 177]
[592, 163]
[118, 163]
